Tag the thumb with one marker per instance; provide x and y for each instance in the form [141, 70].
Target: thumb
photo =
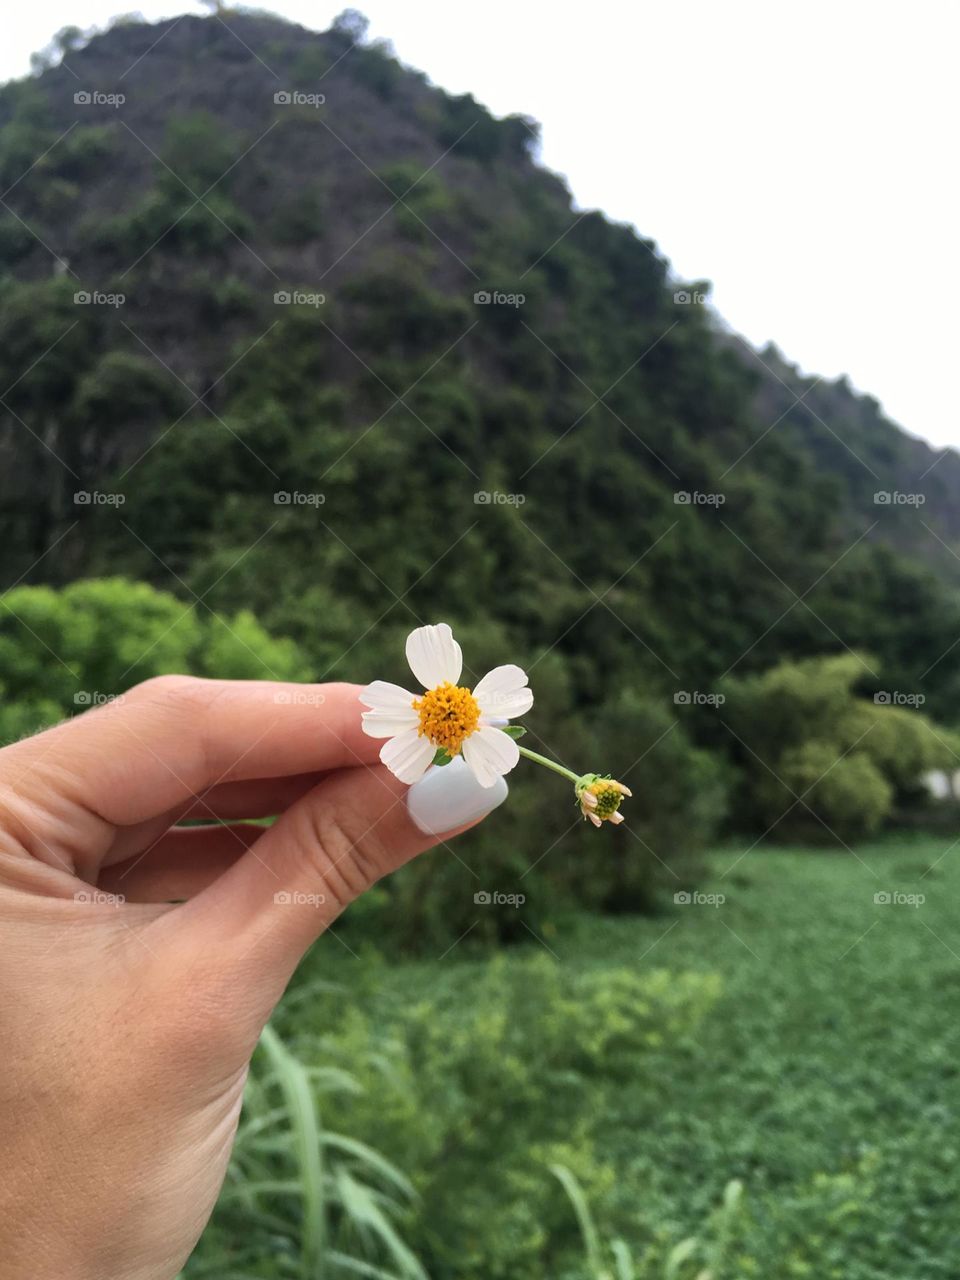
[347, 833]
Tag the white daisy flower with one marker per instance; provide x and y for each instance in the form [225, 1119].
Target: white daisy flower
[447, 715]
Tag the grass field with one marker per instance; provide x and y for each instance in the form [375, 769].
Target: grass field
[822, 1072]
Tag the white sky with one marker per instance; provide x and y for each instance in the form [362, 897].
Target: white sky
[801, 155]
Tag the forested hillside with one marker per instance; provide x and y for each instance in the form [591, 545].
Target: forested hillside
[883, 471]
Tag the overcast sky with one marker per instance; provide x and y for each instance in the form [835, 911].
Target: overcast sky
[801, 156]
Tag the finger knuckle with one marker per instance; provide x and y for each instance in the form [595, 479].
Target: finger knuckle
[171, 690]
[341, 853]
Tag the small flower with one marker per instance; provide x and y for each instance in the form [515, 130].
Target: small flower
[599, 798]
[447, 716]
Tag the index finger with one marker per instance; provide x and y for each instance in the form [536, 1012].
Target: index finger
[173, 737]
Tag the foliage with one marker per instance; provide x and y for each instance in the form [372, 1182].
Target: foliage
[657, 1092]
[615, 1262]
[67, 40]
[481, 1084]
[326, 1202]
[447, 1099]
[811, 751]
[479, 1077]
[65, 650]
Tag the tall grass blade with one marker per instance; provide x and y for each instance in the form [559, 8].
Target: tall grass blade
[305, 1126]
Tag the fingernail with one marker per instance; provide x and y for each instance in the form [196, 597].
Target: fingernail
[450, 796]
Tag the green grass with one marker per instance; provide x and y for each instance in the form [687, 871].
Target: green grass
[823, 1077]
[826, 1076]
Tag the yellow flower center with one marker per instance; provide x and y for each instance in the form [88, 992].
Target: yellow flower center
[448, 714]
[608, 798]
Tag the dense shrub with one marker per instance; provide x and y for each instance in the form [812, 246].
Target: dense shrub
[62, 651]
[83, 150]
[169, 212]
[476, 1089]
[817, 758]
[848, 794]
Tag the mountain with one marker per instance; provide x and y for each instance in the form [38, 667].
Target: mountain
[913, 489]
[307, 334]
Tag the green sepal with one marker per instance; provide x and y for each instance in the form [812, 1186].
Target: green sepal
[513, 730]
[442, 757]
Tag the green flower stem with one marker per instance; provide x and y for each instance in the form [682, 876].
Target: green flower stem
[549, 764]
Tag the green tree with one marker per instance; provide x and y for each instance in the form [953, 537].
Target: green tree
[815, 758]
[62, 651]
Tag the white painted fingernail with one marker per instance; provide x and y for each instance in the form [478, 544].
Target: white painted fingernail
[448, 797]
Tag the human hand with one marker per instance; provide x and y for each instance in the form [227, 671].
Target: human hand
[128, 1025]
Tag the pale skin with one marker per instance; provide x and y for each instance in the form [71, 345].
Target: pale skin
[127, 1027]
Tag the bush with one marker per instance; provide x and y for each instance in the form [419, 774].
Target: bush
[81, 153]
[475, 1089]
[170, 213]
[817, 760]
[679, 801]
[904, 745]
[62, 651]
[124, 390]
[847, 794]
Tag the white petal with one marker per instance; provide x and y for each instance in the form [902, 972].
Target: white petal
[490, 753]
[392, 710]
[503, 692]
[408, 755]
[384, 696]
[434, 655]
[387, 724]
